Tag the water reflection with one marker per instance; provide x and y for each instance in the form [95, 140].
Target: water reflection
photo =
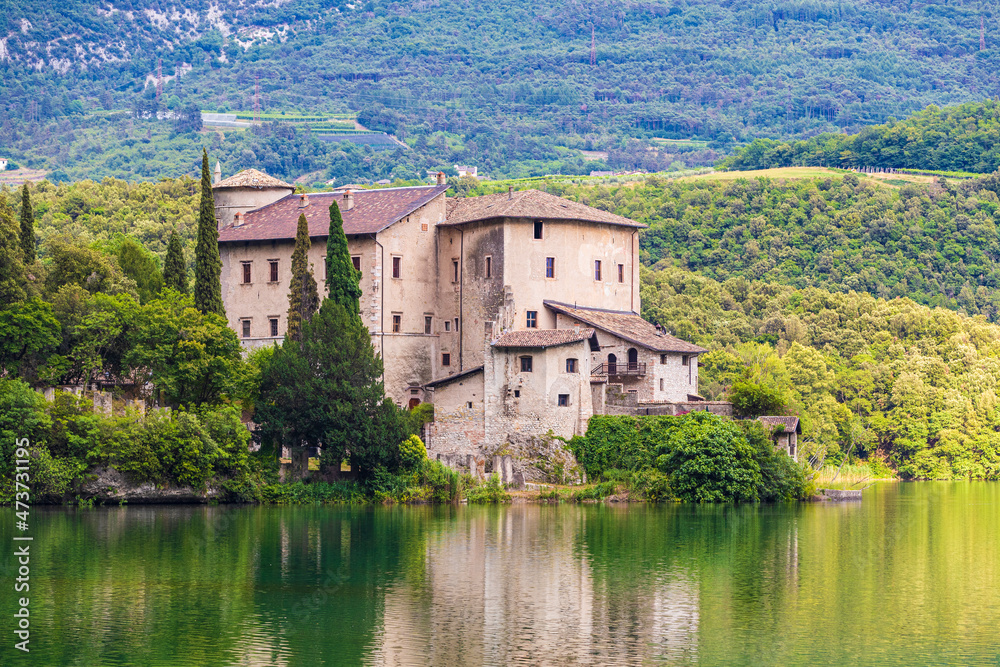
[908, 576]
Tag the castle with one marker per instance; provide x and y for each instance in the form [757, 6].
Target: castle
[515, 314]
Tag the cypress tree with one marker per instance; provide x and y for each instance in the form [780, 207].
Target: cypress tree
[342, 280]
[174, 269]
[12, 278]
[303, 299]
[27, 228]
[207, 263]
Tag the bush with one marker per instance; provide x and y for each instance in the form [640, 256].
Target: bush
[490, 492]
[412, 453]
[651, 484]
[753, 400]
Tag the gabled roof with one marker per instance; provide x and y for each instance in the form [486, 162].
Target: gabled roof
[790, 424]
[251, 178]
[627, 326]
[373, 211]
[543, 338]
[452, 378]
[529, 204]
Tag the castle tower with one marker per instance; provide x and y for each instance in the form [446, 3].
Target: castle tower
[245, 191]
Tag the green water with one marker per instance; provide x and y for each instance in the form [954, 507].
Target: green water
[909, 576]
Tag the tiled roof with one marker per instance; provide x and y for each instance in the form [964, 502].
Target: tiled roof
[791, 424]
[542, 337]
[626, 325]
[529, 204]
[251, 178]
[373, 211]
[451, 378]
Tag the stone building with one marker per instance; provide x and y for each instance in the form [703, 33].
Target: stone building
[513, 313]
[785, 432]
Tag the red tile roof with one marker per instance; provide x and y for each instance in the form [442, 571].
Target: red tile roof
[627, 326]
[542, 337]
[373, 211]
[529, 204]
[251, 178]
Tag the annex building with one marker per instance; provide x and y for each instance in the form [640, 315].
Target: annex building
[514, 313]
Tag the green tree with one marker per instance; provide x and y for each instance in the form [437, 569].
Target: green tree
[72, 263]
[207, 263]
[29, 332]
[174, 267]
[326, 391]
[12, 273]
[303, 298]
[750, 399]
[27, 227]
[342, 280]
[141, 266]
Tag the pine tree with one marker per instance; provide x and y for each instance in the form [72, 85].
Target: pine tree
[207, 263]
[174, 269]
[303, 299]
[12, 276]
[27, 228]
[341, 277]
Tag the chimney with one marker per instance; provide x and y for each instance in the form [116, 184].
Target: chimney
[238, 220]
[440, 178]
[510, 192]
[218, 172]
[303, 200]
[348, 200]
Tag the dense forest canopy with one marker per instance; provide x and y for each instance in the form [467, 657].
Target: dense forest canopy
[508, 86]
[960, 138]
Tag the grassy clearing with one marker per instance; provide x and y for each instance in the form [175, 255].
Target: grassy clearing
[680, 143]
[788, 173]
[856, 476]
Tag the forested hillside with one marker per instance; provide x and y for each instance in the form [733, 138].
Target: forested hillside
[508, 86]
[960, 138]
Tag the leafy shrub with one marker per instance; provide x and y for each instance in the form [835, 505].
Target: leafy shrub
[412, 453]
[651, 484]
[753, 400]
[490, 492]
[442, 482]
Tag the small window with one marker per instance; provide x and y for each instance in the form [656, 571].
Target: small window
[397, 323]
[356, 261]
[517, 393]
[456, 325]
[538, 229]
[597, 269]
[454, 270]
[661, 384]
[414, 392]
[447, 325]
[274, 326]
[428, 322]
[469, 405]
[663, 358]
[685, 360]
[525, 364]
[246, 328]
[621, 273]
[550, 267]
[571, 365]
[246, 273]
[397, 267]
[532, 319]
[274, 270]
[446, 359]
[563, 400]
[489, 266]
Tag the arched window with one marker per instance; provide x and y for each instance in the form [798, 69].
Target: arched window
[633, 359]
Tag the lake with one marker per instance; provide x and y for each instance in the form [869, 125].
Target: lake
[910, 575]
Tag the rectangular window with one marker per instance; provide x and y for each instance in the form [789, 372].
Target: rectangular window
[489, 266]
[274, 326]
[446, 359]
[538, 229]
[685, 360]
[456, 325]
[428, 321]
[525, 364]
[397, 323]
[597, 269]
[663, 358]
[447, 325]
[661, 384]
[454, 270]
[571, 365]
[517, 393]
[550, 267]
[274, 269]
[532, 319]
[246, 328]
[563, 400]
[397, 267]
[356, 261]
[246, 273]
[621, 273]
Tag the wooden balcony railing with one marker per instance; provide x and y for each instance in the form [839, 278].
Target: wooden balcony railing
[619, 369]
